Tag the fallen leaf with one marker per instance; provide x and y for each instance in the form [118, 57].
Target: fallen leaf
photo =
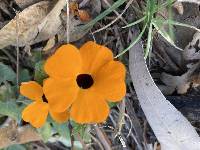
[179, 7]
[83, 15]
[25, 3]
[172, 129]
[40, 22]
[190, 1]
[51, 42]
[191, 51]
[179, 83]
[27, 21]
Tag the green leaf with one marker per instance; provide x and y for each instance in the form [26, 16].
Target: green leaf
[82, 130]
[112, 104]
[149, 41]
[24, 76]
[62, 129]
[40, 74]
[6, 73]
[11, 109]
[45, 131]
[103, 14]
[165, 35]
[135, 22]
[133, 43]
[6, 92]
[16, 147]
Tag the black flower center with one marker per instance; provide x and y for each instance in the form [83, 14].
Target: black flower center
[84, 81]
[44, 99]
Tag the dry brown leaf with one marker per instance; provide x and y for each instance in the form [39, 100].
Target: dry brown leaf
[51, 42]
[179, 7]
[40, 22]
[28, 21]
[190, 1]
[52, 23]
[25, 3]
[171, 128]
[191, 52]
[84, 16]
[180, 83]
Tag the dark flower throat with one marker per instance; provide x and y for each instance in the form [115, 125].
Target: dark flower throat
[44, 99]
[84, 81]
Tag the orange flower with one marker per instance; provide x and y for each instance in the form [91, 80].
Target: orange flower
[37, 112]
[84, 81]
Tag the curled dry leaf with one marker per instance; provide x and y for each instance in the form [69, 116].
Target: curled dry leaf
[54, 23]
[25, 3]
[179, 7]
[50, 43]
[172, 129]
[191, 51]
[179, 83]
[190, 1]
[27, 21]
[39, 22]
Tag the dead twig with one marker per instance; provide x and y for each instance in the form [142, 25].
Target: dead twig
[68, 21]
[17, 41]
[104, 140]
[81, 141]
[118, 17]
[107, 3]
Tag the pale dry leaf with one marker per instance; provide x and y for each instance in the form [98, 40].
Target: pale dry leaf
[50, 43]
[28, 21]
[4, 6]
[191, 51]
[25, 3]
[190, 1]
[179, 7]
[172, 129]
[179, 83]
[54, 23]
[37, 23]
[20, 135]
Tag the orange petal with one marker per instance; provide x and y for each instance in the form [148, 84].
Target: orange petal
[60, 93]
[31, 90]
[110, 81]
[94, 56]
[89, 108]
[36, 114]
[64, 63]
[60, 117]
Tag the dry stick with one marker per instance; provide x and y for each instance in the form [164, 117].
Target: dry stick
[97, 141]
[102, 138]
[71, 134]
[107, 3]
[118, 17]
[121, 118]
[68, 21]
[81, 141]
[68, 39]
[17, 40]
